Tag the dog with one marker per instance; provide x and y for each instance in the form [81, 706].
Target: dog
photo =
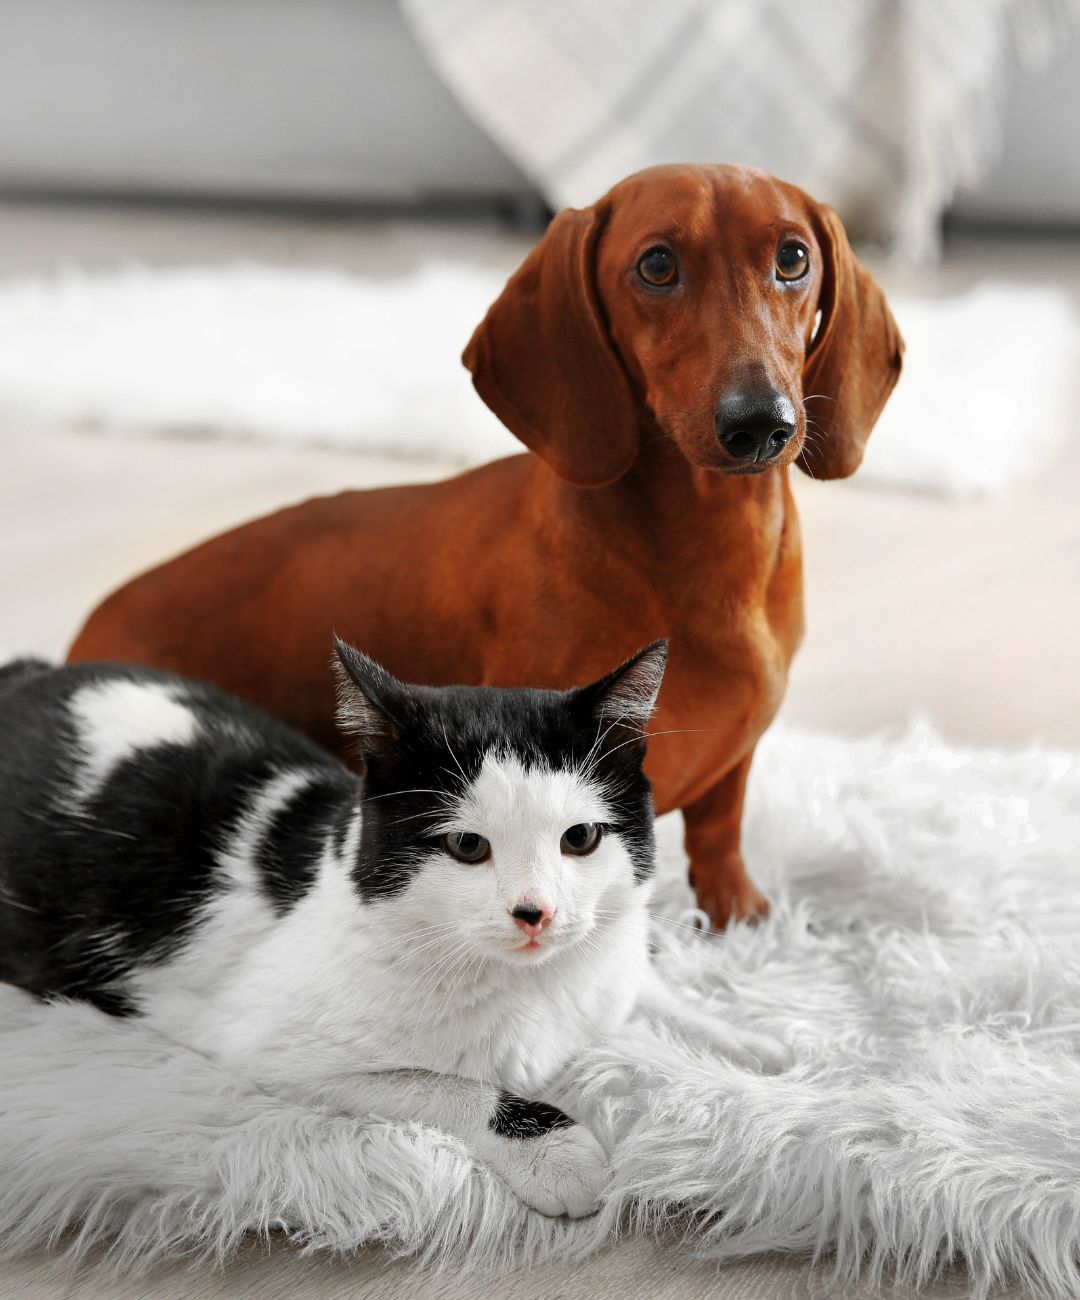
[666, 355]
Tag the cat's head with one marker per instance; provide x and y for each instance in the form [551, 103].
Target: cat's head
[512, 820]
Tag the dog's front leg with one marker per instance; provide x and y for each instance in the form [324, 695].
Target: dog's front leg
[717, 871]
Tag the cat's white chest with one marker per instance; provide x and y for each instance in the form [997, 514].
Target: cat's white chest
[518, 1029]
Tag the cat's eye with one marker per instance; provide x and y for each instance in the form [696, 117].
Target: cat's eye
[792, 260]
[466, 846]
[658, 267]
[580, 839]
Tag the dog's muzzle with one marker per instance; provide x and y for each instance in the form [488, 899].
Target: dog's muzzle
[754, 426]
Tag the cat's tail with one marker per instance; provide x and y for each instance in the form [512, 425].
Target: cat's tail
[18, 671]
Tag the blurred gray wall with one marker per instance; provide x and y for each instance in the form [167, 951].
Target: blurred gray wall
[1036, 178]
[332, 99]
[279, 98]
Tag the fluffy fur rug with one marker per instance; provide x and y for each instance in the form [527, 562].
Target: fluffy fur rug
[922, 959]
[303, 354]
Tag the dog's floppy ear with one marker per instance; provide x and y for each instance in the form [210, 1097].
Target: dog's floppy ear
[854, 359]
[543, 361]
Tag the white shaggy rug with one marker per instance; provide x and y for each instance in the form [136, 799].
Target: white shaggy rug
[326, 356]
[922, 959]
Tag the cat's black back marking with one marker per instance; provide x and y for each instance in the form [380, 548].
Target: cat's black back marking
[288, 855]
[92, 889]
[20, 670]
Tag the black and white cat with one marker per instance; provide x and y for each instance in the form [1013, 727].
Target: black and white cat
[432, 941]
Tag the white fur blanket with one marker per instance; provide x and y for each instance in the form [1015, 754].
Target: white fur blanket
[325, 356]
[922, 959]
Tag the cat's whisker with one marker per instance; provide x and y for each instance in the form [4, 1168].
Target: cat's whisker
[412, 817]
[397, 794]
[470, 958]
[430, 976]
[673, 920]
[454, 756]
[587, 765]
[452, 799]
[441, 965]
[461, 955]
[584, 766]
[431, 936]
[673, 731]
[455, 939]
[655, 916]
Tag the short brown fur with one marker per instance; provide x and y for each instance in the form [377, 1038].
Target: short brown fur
[629, 523]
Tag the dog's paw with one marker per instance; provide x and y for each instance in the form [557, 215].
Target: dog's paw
[560, 1172]
[746, 903]
[725, 893]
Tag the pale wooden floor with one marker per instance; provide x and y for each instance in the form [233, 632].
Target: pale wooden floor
[969, 613]
[632, 1270]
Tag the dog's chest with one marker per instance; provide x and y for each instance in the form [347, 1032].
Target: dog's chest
[714, 714]
[727, 673]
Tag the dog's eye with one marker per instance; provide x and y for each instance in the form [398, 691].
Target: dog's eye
[580, 839]
[792, 260]
[658, 267]
[466, 846]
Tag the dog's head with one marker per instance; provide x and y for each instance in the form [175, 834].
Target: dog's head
[716, 302]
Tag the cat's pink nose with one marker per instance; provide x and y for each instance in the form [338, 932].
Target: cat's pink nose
[530, 918]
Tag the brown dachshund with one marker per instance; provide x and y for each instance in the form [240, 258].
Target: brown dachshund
[658, 353]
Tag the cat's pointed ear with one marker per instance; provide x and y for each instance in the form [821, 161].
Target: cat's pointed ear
[369, 699]
[626, 697]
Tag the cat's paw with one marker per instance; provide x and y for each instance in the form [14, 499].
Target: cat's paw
[561, 1172]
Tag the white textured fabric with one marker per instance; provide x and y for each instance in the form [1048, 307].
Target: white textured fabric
[880, 107]
[325, 356]
[256, 351]
[922, 959]
[986, 391]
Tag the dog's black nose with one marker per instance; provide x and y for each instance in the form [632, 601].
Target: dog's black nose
[754, 426]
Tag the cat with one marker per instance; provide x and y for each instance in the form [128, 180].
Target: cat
[432, 940]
